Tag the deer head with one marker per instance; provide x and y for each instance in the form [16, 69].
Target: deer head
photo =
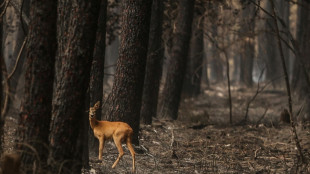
[92, 110]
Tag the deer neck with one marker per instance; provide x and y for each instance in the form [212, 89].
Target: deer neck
[93, 122]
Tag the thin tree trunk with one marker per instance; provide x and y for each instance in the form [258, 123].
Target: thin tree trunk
[97, 70]
[37, 103]
[154, 65]
[177, 63]
[292, 120]
[77, 24]
[247, 46]
[126, 96]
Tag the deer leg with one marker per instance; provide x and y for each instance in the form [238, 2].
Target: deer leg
[132, 152]
[118, 144]
[101, 145]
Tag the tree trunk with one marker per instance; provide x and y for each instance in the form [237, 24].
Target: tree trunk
[177, 63]
[216, 68]
[154, 65]
[303, 87]
[247, 46]
[272, 57]
[193, 75]
[15, 34]
[1, 90]
[77, 24]
[97, 70]
[126, 95]
[37, 103]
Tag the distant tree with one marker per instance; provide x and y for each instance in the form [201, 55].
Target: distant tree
[154, 64]
[248, 43]
[216, 68]
[97, 69]
[269, 46]
[77, 25]
[193, 75]
[37, 103]
[126, 95]
[177, 64]
[303, 64]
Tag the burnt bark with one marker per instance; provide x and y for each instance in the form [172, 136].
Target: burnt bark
[247, 45]
[35, 113]
[193, 75]
[97, 70]
[154, 65]
[126, 95]
[1, 89]
[302, 85]
[177, 64]
[77, 24]
[272, 57]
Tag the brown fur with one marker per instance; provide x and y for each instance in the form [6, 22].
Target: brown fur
[10, 164]
[118, 131]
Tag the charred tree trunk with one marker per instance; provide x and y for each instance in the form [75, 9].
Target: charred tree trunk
[247, 46]
[97, 70]
[77, 24]
[126, 96]
[154, 65]
[2, 120]
[216, 68]
[272, 57]
[177, 63]
[37, 103]
[303, 87]
[193, 75]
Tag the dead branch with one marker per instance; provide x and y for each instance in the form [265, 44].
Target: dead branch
[8, 77]
[253, 98]
[18, 58]
[223, 50]
[287, 85]
[262, 117]
[4, 10]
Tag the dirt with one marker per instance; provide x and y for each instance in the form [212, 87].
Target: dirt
[202, 140]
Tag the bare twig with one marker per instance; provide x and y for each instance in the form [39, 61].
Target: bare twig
[4, 10]
[287, 85]
[8, 77]
[262, 117]
[223, 50]
[17, 59]
[21, 17]
[253, 98]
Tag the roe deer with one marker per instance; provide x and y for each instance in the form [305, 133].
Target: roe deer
[106, 130]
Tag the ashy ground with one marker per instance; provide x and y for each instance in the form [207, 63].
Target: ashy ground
[203, 141]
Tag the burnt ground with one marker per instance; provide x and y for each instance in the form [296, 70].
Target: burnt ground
[203, 141]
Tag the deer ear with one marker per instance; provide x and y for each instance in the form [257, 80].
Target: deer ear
[97, 105]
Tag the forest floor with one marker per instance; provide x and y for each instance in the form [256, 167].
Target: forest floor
[203, 141]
